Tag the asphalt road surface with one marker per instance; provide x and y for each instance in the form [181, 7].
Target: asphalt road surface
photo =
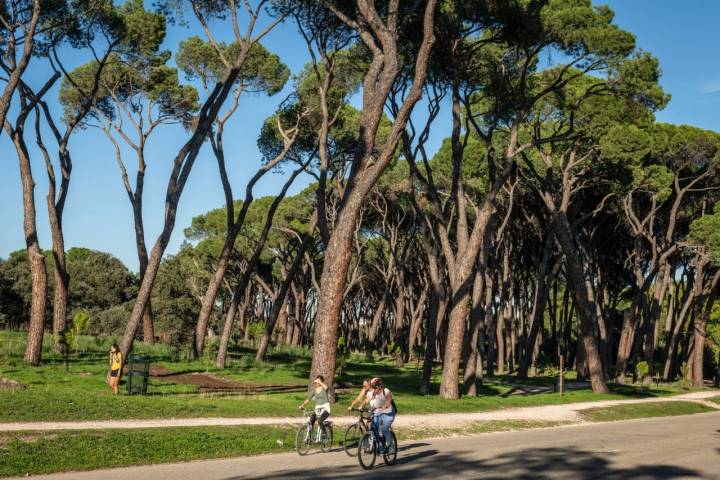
[677, 447]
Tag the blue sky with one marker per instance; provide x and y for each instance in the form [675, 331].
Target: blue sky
[98, 214]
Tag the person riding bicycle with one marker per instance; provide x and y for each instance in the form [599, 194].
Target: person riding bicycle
[364, 393]
[322, 402]
[381, 406]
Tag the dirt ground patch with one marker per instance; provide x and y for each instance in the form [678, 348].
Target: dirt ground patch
[6, 383]
[25, 437]
[209, 383]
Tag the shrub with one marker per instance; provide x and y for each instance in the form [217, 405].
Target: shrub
[642, 369]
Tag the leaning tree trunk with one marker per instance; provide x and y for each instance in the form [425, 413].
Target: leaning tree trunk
[136, 201]
[584, 301]
[490, 320]
[233, 230]
[62, 279]
[545, 277]
[436, 310]
[399, 324]
[375, 324]
[250, 268]
[472, 373]
[417, 315]
[671, 351]
[182, 166]
[366, 170]
[280, 301]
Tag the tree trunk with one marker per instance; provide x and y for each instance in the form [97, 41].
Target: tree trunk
[375, 325]
[62, 279]
[280, 301]
[33, 350]
[436, 310]
[182, 166]
[250, 269]
[545, 277]
[702, 315]
[490, 321]
[627, 336]
[691, 292]
[221, 359]
[584, 301]
[366, 170]
[136, 201]
[399, 325]
[472, 374]
[655, 312]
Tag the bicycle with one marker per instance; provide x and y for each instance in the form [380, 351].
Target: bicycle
[371, 445]
[304, 438]
[355, 432]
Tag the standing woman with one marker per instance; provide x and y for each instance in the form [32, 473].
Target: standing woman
[115, 368]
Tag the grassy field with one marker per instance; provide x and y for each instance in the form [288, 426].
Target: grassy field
[28, 453]
[51, 393]
[81, 394]
[647, 410]
[45, 452]
[23, 453]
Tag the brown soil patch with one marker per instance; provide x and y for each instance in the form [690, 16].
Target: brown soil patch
[209, 383]
[6, 383]
[25, 438]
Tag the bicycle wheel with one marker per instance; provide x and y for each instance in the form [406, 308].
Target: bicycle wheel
[367, 452]
[326, 438]
[303, 439]
[352, 439]
[390, 454]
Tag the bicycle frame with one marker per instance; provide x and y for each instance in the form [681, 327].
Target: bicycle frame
[308, 414]
[374, 429]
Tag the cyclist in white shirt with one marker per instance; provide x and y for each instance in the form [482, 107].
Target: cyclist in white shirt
[381, 406]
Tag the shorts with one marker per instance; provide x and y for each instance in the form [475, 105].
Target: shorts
[114, 373]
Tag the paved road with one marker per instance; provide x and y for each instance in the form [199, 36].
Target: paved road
[676, 447]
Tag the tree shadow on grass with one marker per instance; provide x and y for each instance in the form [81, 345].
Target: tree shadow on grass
[635, 392]
[529, 464]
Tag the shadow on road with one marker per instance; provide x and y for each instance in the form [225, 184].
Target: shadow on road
[536, 463]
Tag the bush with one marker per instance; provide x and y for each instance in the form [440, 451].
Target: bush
[642, 369]
[111, 321]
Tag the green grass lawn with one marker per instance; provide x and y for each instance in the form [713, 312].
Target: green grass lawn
[31, 453]
[647, 410]
[81, 393]
[24, 453]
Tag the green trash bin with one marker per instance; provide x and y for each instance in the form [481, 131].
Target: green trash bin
[138, 373]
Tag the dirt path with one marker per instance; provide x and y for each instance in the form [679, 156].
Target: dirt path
[554, 413]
